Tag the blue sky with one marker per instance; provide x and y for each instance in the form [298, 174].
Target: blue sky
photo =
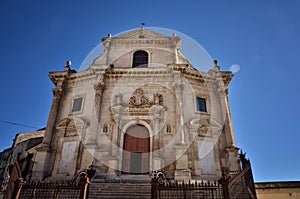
[37, 37]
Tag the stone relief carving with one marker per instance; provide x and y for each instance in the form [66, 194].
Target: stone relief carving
[202, 126]
[139, 99]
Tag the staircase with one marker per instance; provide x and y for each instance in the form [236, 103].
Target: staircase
[119, 190]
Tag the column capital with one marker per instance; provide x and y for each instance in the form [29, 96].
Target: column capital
[57, 92]
[117, 112]
[178, 86]
[45, 147]
[99, 87]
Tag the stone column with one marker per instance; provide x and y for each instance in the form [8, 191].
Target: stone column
[182, 171]
[98, 99]
[222, 92]
[231, 149]
[117, 112]
[178, 91]
[115, 159]
[155, 114]
[176, 48]
[41, 167]
[93, 135]
[228, 115]
[57, 92]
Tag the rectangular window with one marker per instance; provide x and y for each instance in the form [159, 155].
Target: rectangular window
[77, 103]
[201, 104]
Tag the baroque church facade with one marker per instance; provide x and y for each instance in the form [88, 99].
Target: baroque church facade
[140, 107]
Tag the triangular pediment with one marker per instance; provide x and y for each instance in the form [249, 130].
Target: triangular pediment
[141, 34]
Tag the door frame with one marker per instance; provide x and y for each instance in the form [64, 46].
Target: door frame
[123, 132]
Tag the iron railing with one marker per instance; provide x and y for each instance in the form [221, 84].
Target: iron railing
[62, 190]
[238, 185]
[207, 190]
[20, 189]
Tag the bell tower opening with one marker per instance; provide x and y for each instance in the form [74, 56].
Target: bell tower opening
[136, 150]
[140, 59]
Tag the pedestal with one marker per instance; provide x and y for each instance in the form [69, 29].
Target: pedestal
[156, 164]
[41, 163]
[112, 168]
[182, 172]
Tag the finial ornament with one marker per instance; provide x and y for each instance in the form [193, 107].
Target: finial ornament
[216, 62]
[67, 67]
[216, 67]
[143, 24]
[69, 63]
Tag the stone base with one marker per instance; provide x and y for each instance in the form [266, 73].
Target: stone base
[135, 178]
[41, 167]
[182, 175]
[156, 164]
[112, 165]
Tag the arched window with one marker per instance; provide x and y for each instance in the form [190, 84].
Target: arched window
[140, 59]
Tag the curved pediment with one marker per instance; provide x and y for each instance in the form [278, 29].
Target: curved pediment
[71, 126]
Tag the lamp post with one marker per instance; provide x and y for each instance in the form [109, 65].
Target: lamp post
[84, 182]
[91, 172]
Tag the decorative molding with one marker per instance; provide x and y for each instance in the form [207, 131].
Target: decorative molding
[152, 42]
[70, 127]
[139, 99]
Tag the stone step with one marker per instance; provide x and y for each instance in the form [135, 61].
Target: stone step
[119, 190]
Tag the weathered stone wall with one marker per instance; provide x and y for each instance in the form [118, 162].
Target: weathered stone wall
[184, 142]
[278, 190]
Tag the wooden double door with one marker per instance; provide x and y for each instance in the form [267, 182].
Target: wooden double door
[136, 150]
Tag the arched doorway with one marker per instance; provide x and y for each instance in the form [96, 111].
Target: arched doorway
[136, 150]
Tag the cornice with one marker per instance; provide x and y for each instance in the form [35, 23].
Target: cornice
[94, 73]
[153, 42]
[56, 77]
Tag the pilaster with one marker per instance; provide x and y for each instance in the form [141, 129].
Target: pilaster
[156, 112]
[178, 87]
[99, 87]
[115, 156]
[42, 167]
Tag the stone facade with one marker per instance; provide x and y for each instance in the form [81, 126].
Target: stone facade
[278, 190]
[129, 121]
